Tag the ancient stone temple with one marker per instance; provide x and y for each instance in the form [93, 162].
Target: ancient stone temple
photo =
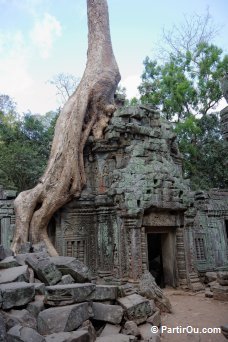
[130, 217]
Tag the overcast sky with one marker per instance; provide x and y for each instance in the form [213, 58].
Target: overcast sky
[41, 38]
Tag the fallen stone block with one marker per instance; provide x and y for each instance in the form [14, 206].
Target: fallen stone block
[64, 318]
[74, 336]
[25, 248]
[126, 290]
[208, 293]
[155, 319]
[35, 307]
[147, 334]
[21, 317]
[13, 274]
[72, 266]
[107, 313]
[117, 338]
[44, 269]
[2, 329]
[66, 279]
[110, 329]
[149, 289]
[68, 294]
[21, 258]
[210, 276]
[131, 328]
[16, 294]
[5, 252]
[220, 292]
[88, 326]
[9, 262]
[103, 293]
[224, 330]
[23, 334]
[39, 288]
[136, 308]
[223, 278]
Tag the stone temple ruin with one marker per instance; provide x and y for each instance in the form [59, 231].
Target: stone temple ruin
[137, 212]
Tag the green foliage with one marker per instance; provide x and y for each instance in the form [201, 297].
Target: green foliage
[187, 83]
[24, 148]
[204, 151]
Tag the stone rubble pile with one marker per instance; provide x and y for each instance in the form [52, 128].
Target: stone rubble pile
[217, 285]
[53, 299]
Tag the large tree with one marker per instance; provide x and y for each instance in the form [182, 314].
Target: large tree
[87, 110]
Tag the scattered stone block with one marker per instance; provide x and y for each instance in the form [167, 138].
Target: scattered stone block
[131, 328]
[72, 266]
[149, 289]
[5, 252]
[223, 278]
[117, 338]
[23, 334]
[74, 336]
[88, 326]
[21, 258]
[136, 308]
[224, 329]
[110, 329]
[35, 307]
[107, 313]
[66, 279]
[155, 319]
[13, 274]
[147, 334]
[39, 288]
[2, 329]
[65, 318]
[126, 290]
[220, 292]
[9, 262]
[103, 293]
[16, 294]
[210, 276]
[208, 293]
[68, 294]
[44, 269]
[21, 317]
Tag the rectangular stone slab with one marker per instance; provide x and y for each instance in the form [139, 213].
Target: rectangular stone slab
[12, 274]
[45, 270]
[104, 292]
[16, 294]
[107, 313]
[72, 266]
[68, 294]
[64, 318]
[136, 307]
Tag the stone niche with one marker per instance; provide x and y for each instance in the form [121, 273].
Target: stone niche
[135, 198]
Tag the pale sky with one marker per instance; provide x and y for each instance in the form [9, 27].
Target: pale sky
[41, 38]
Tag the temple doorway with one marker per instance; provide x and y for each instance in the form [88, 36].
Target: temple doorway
[161, 257]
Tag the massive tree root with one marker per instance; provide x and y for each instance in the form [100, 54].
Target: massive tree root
[88, 109]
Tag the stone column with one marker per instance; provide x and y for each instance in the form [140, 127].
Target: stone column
[134, 248]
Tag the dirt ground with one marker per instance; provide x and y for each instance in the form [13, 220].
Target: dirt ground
[194, 309]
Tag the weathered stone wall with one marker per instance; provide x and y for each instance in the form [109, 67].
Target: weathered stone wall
[206, 231]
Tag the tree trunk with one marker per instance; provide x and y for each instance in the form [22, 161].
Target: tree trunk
[88, 109]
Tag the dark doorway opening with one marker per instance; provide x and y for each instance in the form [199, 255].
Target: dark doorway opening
[52, 230]
[155, 262]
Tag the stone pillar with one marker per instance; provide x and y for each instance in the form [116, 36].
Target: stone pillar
[181, 261]
[134, 248]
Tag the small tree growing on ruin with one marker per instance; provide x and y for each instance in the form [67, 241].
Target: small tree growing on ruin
[87, 110]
